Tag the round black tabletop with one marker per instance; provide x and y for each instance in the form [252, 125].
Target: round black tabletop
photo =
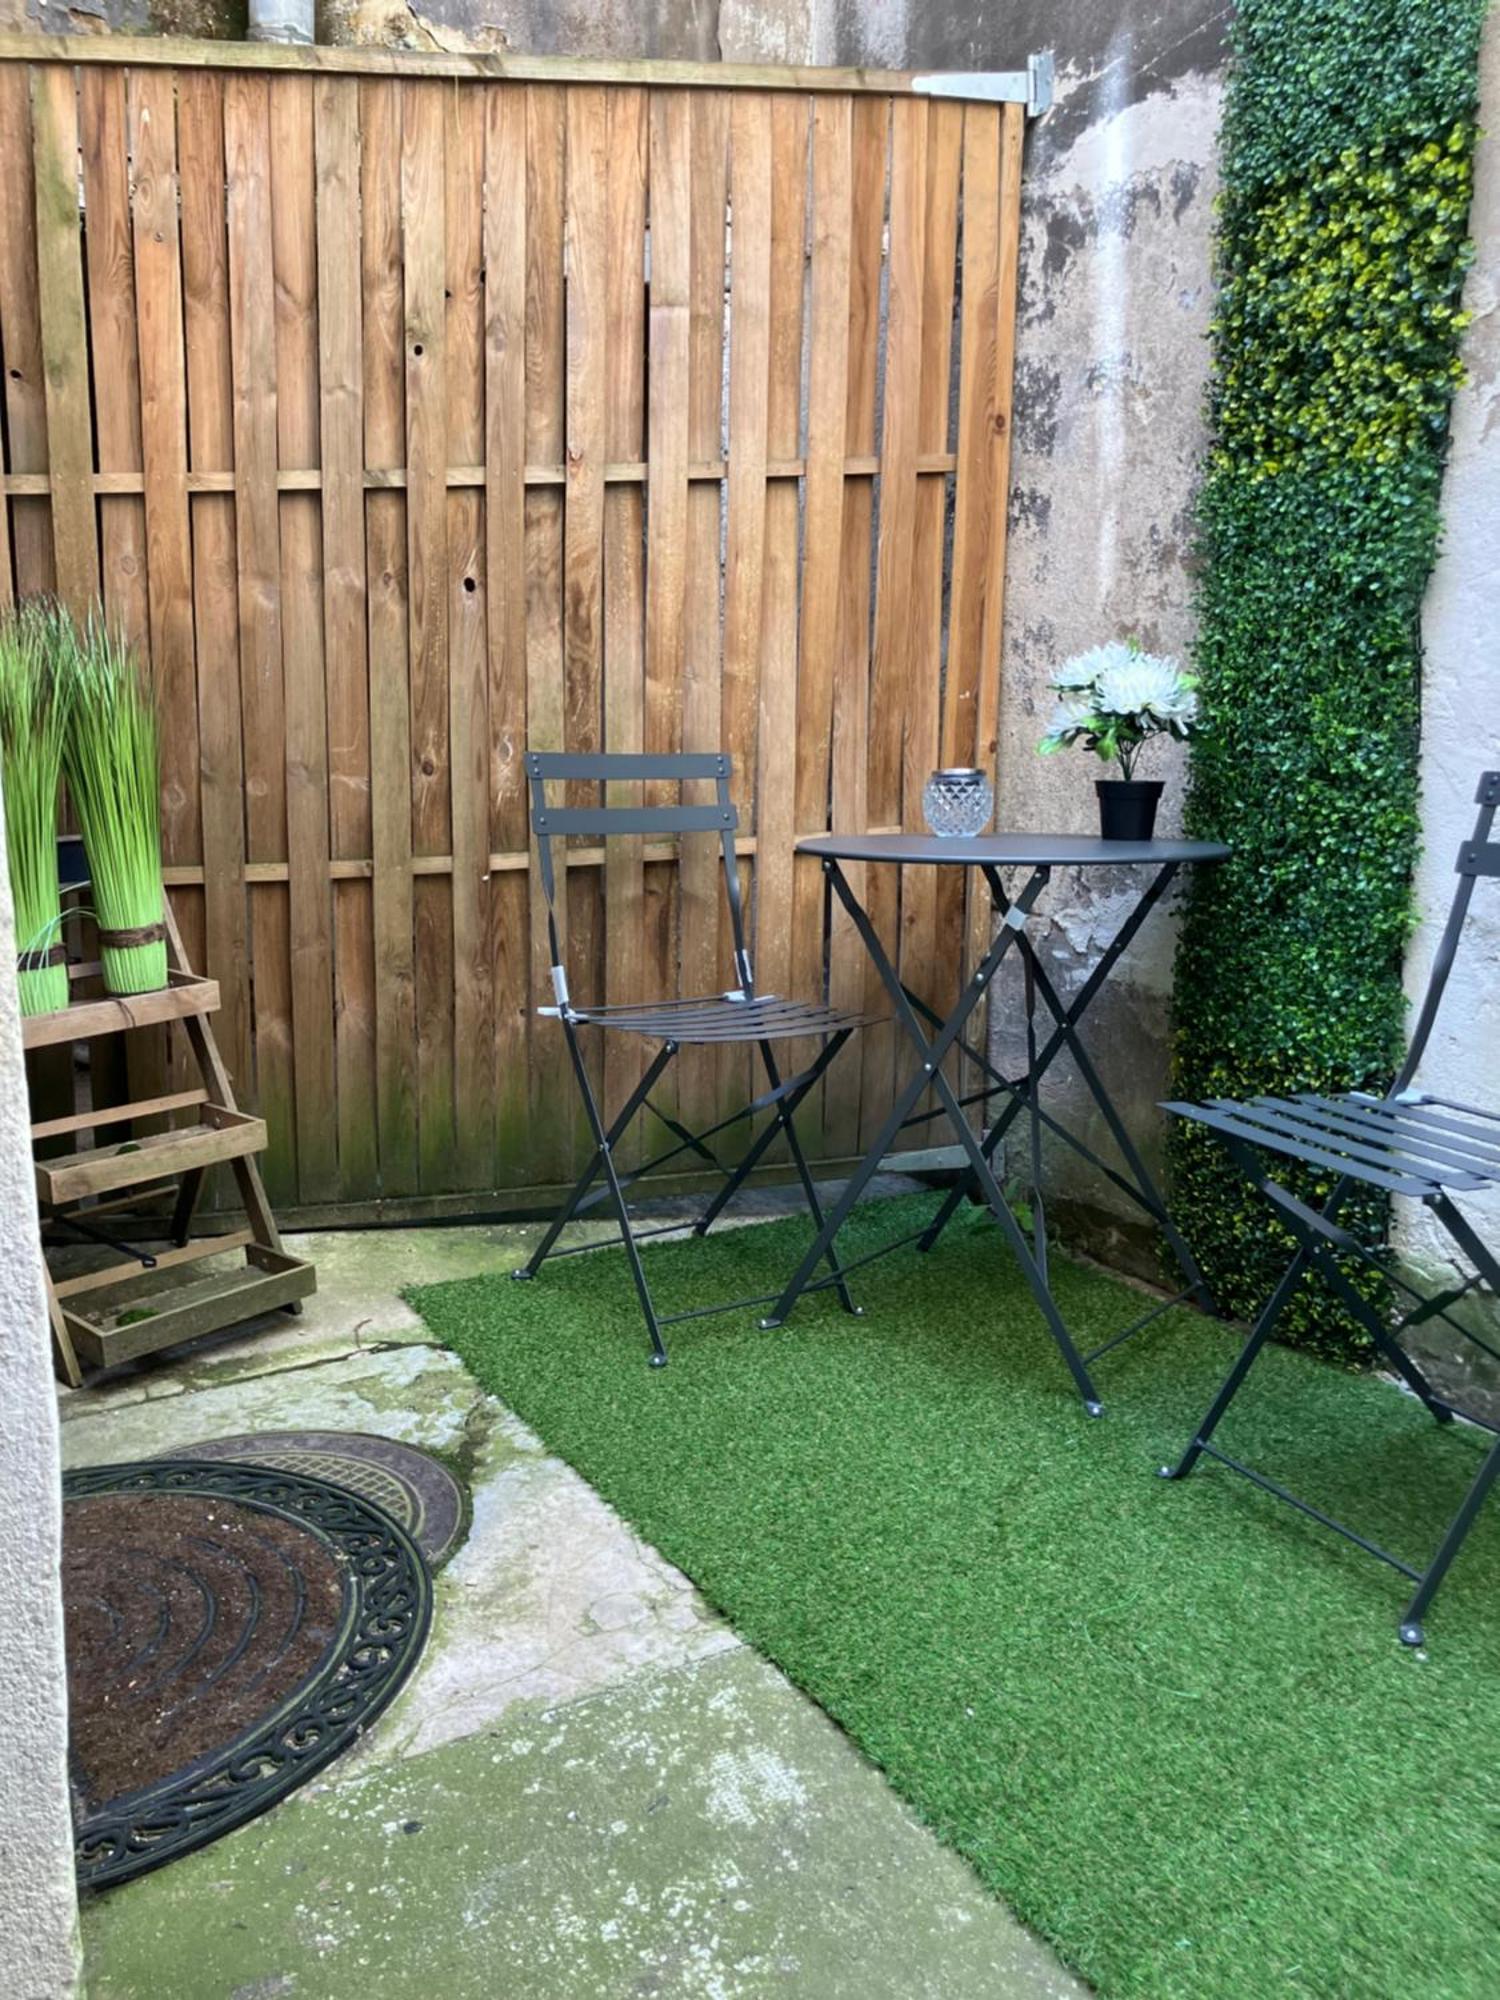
[1008, 850]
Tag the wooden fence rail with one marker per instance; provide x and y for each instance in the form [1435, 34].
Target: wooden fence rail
[407, 419]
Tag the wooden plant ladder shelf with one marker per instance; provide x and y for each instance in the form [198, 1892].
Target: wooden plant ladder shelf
[130, 1311]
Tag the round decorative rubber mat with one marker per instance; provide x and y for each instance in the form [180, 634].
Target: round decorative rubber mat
[230, 1629]
[412, 1486]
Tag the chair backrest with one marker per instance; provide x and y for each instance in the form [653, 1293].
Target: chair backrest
[551, 821]
[1478, 856]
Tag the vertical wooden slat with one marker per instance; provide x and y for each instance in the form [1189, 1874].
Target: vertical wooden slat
[21, 333]
[553, 1093]
[161, 369]
[921, 969]
[210, 405]
[110, 281]
[667, 417]
[390, 713]
[163, 388]
[341, 452]
[745, 579]
[891, 668]
[870, 139]
[468, 664]
[252, 327]
[64, 335]
[309, 892]
[624, 573]
[776, 748]
[669, 397]
[706, 963]
[586, 358]
[423, 212]
[112, 338]
[505, 594]
[749, 388]
[823, 520]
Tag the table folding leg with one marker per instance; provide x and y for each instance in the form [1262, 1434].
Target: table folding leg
[931, 1052]
[1136, 1183]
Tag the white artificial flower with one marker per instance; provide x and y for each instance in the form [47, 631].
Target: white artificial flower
[1074, 707]
[1143, 685]
[1084, 669]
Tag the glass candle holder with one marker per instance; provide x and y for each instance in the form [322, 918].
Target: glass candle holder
[957, 803]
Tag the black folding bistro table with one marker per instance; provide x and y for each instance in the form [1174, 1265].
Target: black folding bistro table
[934, 1038]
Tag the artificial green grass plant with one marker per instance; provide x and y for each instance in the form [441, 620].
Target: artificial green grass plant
[34, 640]
[111, 763]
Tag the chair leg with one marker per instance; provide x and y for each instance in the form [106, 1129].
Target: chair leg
[784, 1118]
[736, 1179]
[590, 1173]
[604, 1142]
[1260, 1333]
[1452, 1542]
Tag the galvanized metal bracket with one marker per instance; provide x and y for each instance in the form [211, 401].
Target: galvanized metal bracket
[1031, 86]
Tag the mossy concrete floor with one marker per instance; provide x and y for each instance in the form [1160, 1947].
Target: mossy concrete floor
[590, 1790]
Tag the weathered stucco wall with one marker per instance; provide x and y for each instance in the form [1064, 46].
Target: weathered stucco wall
[1111, 367]
[1460, 737]
[38, 1909]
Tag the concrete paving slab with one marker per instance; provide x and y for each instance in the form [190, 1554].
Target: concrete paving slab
[550, 1596]
[704, 1834]
[589, 1788]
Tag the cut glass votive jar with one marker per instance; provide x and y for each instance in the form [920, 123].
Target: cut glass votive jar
[957, 803]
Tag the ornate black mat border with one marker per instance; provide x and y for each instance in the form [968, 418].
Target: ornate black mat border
[388, 1609]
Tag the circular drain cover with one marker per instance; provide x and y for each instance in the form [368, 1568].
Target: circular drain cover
[230, 1629]
[412, 1486]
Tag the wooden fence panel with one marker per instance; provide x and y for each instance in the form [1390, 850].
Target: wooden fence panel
[405, 421]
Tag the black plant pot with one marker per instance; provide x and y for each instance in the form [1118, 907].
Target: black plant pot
[1127, 807]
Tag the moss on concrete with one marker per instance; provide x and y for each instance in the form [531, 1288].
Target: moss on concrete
[700, 1833]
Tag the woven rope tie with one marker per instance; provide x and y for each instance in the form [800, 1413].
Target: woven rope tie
[38, 961]
[125, 940]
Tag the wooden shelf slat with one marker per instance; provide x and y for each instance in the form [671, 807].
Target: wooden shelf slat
[128, 1279]
[219, 1135]
[269, 1281]
[109, 1014]
[117, 1114]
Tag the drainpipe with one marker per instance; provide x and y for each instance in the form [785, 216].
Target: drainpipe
[280, 21]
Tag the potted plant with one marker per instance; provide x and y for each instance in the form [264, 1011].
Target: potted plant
[1114, 699]
[110, 761]
[34, 642]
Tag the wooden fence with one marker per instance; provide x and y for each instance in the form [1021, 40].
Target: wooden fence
[407, 416]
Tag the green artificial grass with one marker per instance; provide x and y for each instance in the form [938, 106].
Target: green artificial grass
[1170, 1723]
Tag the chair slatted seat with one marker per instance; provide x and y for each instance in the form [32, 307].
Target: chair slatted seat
[743, 1016]
[1409, 1142]
[721, 1017]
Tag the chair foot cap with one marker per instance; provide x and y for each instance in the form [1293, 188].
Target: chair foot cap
[523, 1276]
[769, 1325]
[658, 1361]
[1094, 1409]
[1411, 1635]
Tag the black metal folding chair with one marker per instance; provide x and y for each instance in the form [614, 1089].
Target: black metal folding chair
[741, 1016]
[1407, 1142]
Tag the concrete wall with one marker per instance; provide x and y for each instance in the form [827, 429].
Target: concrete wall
[1111, 367]
[38, 1907]
[1461, 736]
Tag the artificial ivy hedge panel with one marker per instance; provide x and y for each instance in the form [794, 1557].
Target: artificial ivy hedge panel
[1347, 157]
